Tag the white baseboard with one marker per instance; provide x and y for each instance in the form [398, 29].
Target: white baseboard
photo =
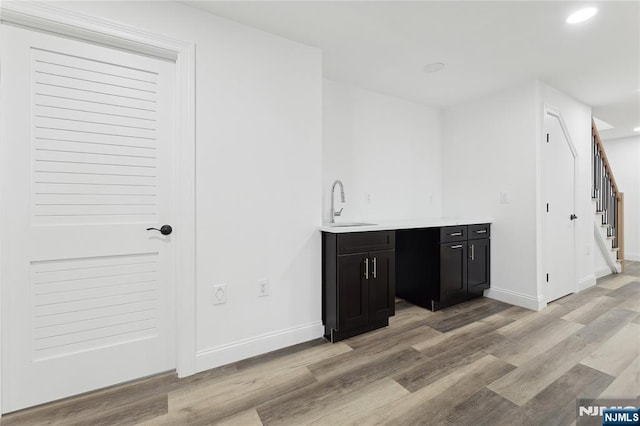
[586, 282]
[515, 298]
[632, 256]
[602, 272]
[243, 349]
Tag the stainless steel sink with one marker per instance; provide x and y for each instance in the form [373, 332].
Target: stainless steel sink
[345, 224]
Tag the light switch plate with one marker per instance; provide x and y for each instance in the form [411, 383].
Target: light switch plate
[504, 198]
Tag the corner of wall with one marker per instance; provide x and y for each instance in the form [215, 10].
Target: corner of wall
[539, 112]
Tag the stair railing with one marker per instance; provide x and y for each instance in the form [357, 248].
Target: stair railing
[609, 199]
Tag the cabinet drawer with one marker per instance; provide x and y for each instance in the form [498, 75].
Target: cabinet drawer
[453, 233]
[479, 231]
[359, 242]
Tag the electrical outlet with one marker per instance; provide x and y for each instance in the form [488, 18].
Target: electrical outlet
[219, 295]
[263, 288]
[504, 198]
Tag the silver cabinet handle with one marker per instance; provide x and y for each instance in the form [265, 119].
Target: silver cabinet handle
[456, 234]
[473, 256]
[457, 246]
[375, 269]
[366, 267]
[482, 231]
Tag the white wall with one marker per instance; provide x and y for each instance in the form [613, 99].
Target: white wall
[258, 177]
[382, 146]
[577, 118]
[624, 157]
[490, 147]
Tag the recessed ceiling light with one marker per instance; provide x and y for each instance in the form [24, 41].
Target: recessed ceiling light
[434, 67]
[581, 15]
[637, 129]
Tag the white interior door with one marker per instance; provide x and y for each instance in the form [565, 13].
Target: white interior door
[558, 176]
[86, 145]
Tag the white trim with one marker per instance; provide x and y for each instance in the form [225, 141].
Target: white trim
[632, 256]
[587, 282]
[516, 298]
[4, 178]
[540, 130]
[602, 272]
[185, 199]
[44, 17]
[555, 112]
[243, 349]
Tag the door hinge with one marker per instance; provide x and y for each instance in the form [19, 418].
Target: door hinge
[547, 277]
[547, 137]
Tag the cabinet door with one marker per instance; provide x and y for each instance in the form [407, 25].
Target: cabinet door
[353, 291]
[479, 265]
[453, 272]
[382, 283]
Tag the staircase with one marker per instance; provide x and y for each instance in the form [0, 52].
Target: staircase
[608, 203]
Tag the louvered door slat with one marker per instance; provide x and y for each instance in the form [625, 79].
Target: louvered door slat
[90, 144]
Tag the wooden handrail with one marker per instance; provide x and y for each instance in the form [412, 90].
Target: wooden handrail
[620, 229]
[603, 154]
[617, 222]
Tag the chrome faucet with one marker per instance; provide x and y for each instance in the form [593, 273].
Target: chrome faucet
[333, 213]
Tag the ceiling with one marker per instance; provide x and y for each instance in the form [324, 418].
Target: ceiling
[385, 45]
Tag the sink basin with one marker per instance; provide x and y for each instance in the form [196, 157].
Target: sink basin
[345, 224]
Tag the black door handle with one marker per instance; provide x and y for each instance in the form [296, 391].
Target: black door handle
[573, 217]
[164, 229]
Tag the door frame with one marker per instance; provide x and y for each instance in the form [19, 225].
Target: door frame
[556, 113]
[51, 19]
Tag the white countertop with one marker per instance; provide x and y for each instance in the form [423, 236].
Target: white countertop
[388, 225]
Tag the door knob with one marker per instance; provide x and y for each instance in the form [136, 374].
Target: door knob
[164, 229]
[573, 217]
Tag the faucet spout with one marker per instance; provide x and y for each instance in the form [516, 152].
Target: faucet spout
[333, 213]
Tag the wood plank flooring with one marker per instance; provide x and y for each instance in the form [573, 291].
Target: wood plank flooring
[480, 362]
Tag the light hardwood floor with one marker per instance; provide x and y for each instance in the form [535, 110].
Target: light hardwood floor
[481, 362]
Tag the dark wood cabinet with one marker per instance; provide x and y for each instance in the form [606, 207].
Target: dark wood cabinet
[382, 294]
[478, 266]
[352, 292]
[358, 282]
[443, 266]
[453, 272]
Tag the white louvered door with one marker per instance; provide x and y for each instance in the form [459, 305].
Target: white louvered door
[86, 142]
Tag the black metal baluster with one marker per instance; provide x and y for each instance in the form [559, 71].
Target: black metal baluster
[615, 221]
